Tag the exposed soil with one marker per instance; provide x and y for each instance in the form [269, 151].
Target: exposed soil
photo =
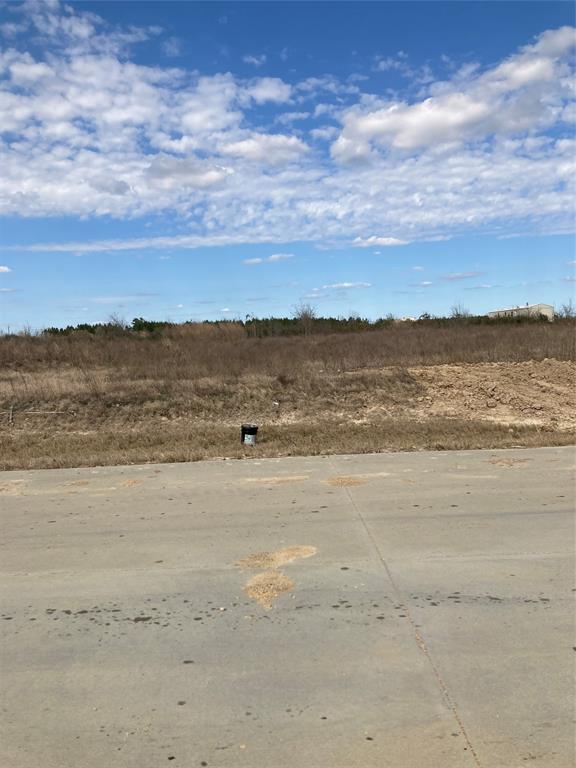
[541, 393]
[123, 421]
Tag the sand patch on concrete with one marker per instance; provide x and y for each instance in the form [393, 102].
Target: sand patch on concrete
[265, 587]
[345, 481]
[14, 488]
[509, 462]
[275, 480]
[276, 559]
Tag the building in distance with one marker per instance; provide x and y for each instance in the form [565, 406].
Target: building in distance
[529, 310]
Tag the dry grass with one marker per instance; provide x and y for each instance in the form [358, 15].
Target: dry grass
[175, 442]
[225, 352]
[182, 397]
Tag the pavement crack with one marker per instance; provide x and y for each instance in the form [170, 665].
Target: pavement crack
[419, 639]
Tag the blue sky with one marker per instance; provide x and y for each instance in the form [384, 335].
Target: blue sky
[218, 160]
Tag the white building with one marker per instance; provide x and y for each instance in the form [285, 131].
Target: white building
[529, 310]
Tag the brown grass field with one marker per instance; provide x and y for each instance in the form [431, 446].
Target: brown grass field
[83, 400]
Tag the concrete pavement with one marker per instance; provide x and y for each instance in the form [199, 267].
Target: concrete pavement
[399, 610]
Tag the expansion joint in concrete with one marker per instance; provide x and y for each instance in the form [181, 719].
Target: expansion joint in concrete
[419, 639]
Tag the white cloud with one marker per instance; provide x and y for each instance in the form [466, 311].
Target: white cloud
[345, 286]
[269, 89]
[274, 258]
[135, 298]
[373, 240]
[280, 257]
[172, 47]
[271, 149]
[145, 140]
[5, 269]
[286, 118]
[520, 94]
[460, 276]
[256, 61]
[169, 172]
[417, 269]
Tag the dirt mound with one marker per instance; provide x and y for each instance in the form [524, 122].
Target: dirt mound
[541, 393]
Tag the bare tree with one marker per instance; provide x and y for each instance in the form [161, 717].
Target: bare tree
[458, 311]
[567, 310]
[305, 314]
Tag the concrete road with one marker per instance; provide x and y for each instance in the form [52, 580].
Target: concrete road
[402, 610]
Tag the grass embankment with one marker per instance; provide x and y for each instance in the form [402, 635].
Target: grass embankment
[182, 396]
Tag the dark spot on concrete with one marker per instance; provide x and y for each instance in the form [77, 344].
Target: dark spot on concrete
[344, 568]
[142, 618]
[187, 661]
[369, 738]
[181, 703]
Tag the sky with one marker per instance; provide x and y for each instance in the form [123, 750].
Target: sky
[210, 160]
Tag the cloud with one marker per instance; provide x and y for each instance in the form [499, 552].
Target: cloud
[5, 269]
[345, 286]
[169, 172]
[520, 94]
[275, 257]
[569, 279]
[422, 284]
[7, 290]
[290, 117]
[269, 89]
[417, 269]
[460, 276]
[280, 257]
[256, 61]
[486, 150]
[172, 47]
[73, 30]
[134, 298]
[273, 149]
[374, 240]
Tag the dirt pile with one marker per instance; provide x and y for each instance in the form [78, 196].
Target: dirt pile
[540, 393]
